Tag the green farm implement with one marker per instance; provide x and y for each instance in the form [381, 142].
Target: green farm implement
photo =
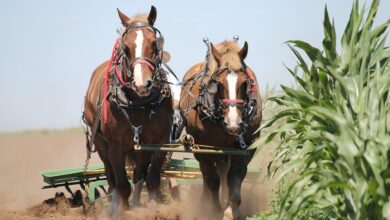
[179, 172]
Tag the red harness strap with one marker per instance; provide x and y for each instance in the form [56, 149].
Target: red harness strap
[147, 63]
[232, 101]
[114, 50]
[252, 78]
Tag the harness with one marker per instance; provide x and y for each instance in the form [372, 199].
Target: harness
[118, 91]
[210, 108]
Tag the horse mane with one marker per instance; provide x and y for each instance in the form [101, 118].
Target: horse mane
[230, 58]
[141, 17]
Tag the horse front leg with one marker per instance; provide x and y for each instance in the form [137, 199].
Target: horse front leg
[211, 181]
[141, 168]
[236, 175]
[121, 193]
[101, 147]
[153, 178]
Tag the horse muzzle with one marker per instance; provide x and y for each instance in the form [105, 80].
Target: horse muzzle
[234, 129]
[143, 90]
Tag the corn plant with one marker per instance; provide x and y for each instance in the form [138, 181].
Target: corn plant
[335, 138]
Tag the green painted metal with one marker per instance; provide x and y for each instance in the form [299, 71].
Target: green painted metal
[53, 177]
[185, 164]
[197, 181]
[93, 186]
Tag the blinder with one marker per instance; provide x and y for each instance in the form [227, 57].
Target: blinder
[251, 104]
[212, 86]
[207, 99]
[160, 43]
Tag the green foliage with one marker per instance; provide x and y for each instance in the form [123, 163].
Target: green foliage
[336, 130]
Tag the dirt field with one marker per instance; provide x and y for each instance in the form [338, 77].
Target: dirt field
[24, 155]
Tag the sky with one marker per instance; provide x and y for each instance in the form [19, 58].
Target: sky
[49, 48]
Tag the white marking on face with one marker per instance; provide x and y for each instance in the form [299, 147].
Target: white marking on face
[139, 40]
[232, 112]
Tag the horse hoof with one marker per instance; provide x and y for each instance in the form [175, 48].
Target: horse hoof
[228, 214]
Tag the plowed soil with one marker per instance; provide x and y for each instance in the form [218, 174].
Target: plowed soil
[24, 155]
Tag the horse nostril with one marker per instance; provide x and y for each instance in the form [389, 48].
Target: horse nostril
[149, 84]
[133, 85]
[233, 129]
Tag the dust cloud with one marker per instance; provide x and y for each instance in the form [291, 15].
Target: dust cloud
[24, 155]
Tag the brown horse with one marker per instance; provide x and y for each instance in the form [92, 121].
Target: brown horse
[221, 105]
[130, 98]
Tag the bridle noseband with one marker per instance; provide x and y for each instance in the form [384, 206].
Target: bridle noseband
[232, 102]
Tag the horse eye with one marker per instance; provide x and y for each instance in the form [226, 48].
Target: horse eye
[127, 51]
[154, 46]
[244, 87]
[220, 89]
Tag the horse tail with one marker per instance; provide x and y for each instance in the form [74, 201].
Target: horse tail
[223, 169]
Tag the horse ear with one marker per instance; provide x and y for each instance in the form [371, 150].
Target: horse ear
[216, 54]
[124, 19]
[166, 57]
[244, 51]
[152, 15]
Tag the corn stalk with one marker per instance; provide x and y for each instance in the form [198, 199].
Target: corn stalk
[336, 130]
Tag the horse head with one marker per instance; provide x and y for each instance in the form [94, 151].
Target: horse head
[231, 84]
[142, 46]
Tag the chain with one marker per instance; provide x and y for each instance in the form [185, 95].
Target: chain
[86, 162]
[85, 180]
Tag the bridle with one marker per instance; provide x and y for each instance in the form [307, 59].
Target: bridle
[120, 64]
[152, 64]
[215, 112]
[206, 102]
[233, 102]
[209, 107]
